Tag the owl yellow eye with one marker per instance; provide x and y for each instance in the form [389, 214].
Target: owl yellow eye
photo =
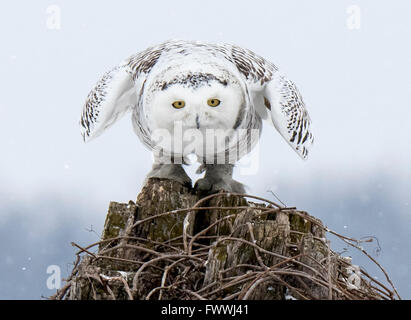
[178, 104]
[213, 102]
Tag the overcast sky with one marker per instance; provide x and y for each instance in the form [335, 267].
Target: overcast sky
[352, 70]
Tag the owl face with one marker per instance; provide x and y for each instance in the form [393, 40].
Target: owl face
[199, 102]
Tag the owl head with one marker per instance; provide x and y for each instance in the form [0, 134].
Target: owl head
[199, 96]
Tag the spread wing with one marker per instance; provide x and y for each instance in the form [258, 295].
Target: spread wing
[115, 93]
[110, 98]
[289, 115]
[280, 97]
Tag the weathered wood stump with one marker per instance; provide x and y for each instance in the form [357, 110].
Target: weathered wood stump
[171, 244]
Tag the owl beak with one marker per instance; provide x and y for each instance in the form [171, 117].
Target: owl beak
[198, 121]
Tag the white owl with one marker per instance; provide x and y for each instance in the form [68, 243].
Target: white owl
[190, 97]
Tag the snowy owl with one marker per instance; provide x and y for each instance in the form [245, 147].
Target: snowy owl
[193, 98]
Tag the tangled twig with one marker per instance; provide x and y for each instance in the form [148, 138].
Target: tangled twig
[176, 268]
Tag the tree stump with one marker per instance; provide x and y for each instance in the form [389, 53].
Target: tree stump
[170, 244]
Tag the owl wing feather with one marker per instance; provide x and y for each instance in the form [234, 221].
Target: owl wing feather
[109, 99]
[289, 115]
[115, 93]
[281, 97]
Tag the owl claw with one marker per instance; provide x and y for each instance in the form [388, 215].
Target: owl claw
[218, 177]
[170, 171]
[203, 186]
[206, 186]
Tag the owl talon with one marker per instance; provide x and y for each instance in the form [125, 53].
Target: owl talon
[206, 186]
[203, 187]
[217, 178]
[170, 171]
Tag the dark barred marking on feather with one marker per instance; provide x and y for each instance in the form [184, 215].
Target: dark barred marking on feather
[193, 80]
[267, 103]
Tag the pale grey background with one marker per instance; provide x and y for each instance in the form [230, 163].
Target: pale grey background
[356, 84]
